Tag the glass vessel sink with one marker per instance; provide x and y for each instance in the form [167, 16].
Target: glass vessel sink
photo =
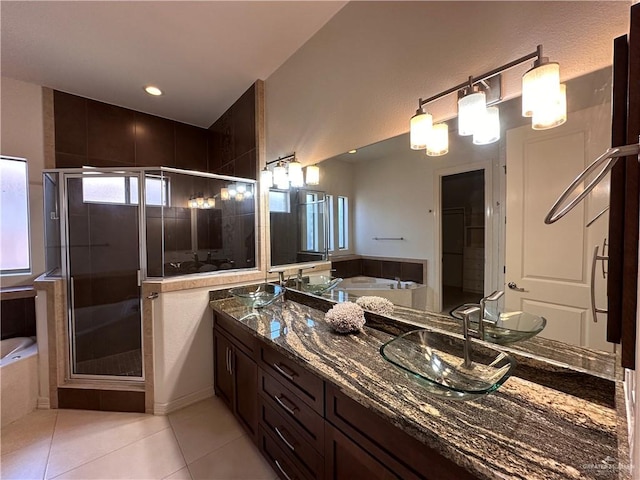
[436, 361]
[257, 296]
[508, 327]
[320, 284]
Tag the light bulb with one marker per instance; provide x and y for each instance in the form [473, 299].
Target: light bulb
[438, 142]
[233, 189]
[538, 84]
[280, 177]
[295, 174]
[239, 197]
[313, 175]
[471, 111]
[266, 178]
[421, 124]
[488, 130]
[551, 112]
[241, 187]
[224, 193]
[211, 202]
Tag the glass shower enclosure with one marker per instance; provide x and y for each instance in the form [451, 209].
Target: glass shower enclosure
[108, 229]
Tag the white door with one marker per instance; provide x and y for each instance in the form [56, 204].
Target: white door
[549, 266]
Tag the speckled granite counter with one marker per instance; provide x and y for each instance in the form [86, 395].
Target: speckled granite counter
[522, 431]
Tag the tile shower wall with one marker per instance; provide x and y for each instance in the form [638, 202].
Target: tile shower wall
[18, 316]
[233, 142]
[88, 132]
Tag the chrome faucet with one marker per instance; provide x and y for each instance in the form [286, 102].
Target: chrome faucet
[398, 282]
[299, 276]
[469, 332]
[483, 304]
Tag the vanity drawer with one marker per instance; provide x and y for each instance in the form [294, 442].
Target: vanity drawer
[305, 384]
[287, 467]
[291, 407]
[291, 438]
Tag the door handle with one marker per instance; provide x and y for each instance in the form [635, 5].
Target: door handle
[592, 288]
[514, 286]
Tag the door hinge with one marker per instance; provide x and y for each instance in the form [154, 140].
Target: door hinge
[505, 169]
[504, 269]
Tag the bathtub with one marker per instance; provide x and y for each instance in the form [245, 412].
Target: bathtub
[18, 378]
[405, 294]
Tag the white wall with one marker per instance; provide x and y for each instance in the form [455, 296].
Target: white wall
[182, 348]
[358, 80]
[22, 136]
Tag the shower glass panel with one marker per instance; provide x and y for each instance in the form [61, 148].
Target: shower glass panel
[198, 224]
[104, 274]
[108, 229]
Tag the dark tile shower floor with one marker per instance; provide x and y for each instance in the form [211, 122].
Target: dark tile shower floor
[127, 364]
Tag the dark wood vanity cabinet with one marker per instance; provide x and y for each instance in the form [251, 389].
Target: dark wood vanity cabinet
[305, 427]
[236, 377]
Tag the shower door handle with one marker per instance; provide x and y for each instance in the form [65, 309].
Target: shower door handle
[592, 288]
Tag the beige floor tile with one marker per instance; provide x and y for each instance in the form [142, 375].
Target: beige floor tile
[33, 428]
[155, 456]
[182, 474]
[237, 460]
[206, 428]
[206, 406]
[29, 462]
[82, 436]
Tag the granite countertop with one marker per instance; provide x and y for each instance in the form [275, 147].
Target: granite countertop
[522, 431]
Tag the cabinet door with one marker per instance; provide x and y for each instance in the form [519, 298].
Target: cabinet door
[245, 372]
[223, 379]
[345, 460]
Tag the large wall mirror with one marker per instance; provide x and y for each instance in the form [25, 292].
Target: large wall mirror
[299, 226]
[454, 228]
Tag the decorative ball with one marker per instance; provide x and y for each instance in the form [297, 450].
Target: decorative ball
[345, 317]
[376, 304]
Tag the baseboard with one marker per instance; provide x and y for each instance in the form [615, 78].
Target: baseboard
[177, 404]
[43, 403]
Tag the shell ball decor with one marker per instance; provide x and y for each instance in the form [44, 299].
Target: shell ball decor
[375, 304]
[345, 317]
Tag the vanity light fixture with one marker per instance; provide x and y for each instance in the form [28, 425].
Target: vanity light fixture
[288, 172]
[295, 174]
[153, 90]
[224, 193]
[543, 99]
[312, 175]
[438, 141]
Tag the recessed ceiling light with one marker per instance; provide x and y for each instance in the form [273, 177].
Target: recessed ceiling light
[151, 90]
[352, 151]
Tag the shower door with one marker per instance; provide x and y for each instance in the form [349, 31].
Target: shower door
[103, 272]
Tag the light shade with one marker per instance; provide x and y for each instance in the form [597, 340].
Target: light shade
[313, 175]
[280, 177]
[438, 142]
[295, 174]
[224, 193]
[266, 178]
[421, 124]
[471, 111]
[539, 83]
[551, 112]
[211, 202]
[488, 130]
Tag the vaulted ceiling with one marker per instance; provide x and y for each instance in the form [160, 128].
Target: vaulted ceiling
[203, 55]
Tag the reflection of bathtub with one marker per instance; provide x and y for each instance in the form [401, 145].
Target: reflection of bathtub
[18, 378]
[406, 294]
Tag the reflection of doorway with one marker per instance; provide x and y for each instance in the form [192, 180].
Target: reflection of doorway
[463, 248]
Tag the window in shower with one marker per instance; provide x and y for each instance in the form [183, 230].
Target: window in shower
[331, 221]
[124, 190]
[14, 218]
[343, 223]
[312, 226]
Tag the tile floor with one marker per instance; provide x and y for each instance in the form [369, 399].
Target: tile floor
[202, 441]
